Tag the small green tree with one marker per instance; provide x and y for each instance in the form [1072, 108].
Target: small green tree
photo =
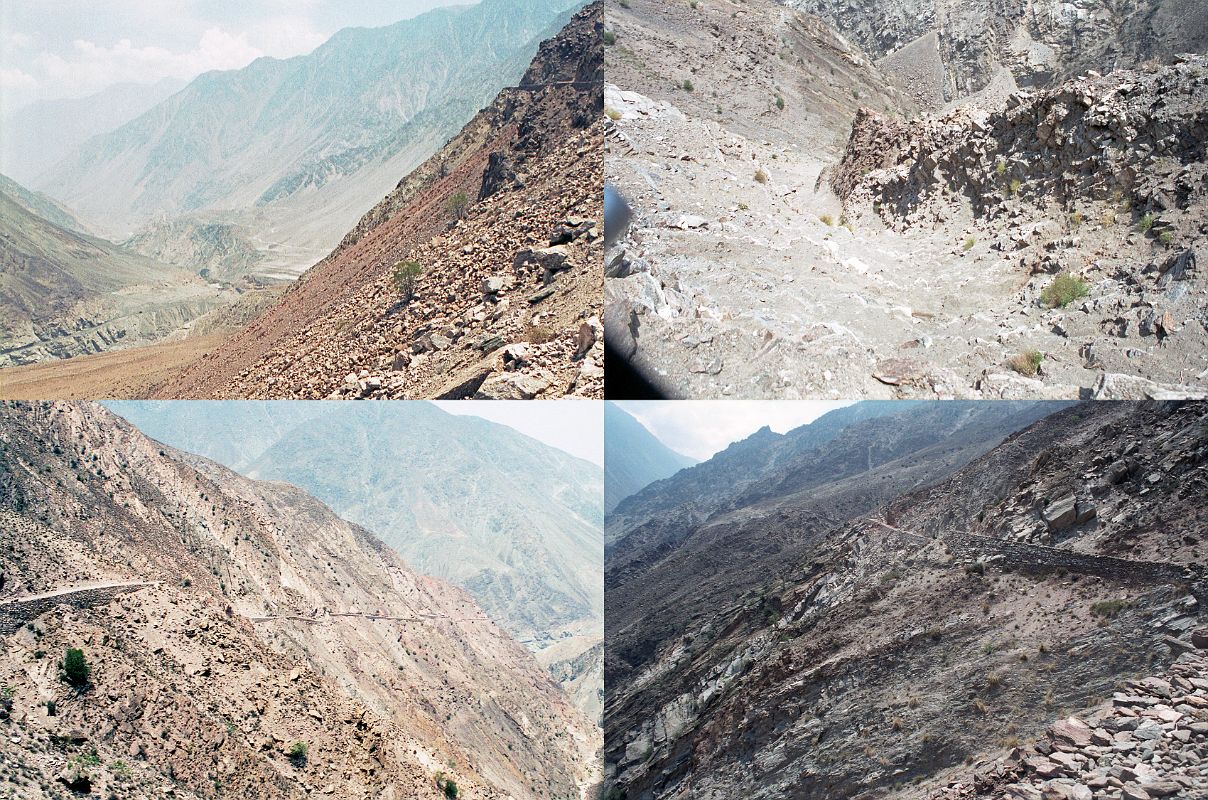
[458, 204]
[75, 668]
[450, 788]
[406, 275]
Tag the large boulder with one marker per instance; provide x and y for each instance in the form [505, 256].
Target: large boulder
[1061, 513]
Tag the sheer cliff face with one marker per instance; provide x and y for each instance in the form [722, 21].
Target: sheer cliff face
[255, 619]
[896, 640]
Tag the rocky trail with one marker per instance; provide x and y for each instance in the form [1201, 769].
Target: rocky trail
[774, 256]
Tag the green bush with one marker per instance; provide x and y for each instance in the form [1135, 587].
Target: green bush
[458, 204]
[687, 85]
[406, 275]
[75, 668]
[780, 102]
[610, 38]
[968, 245]
[297, 752]
[1064, 289]
[1145, 223]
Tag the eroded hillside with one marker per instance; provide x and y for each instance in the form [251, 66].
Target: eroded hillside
[940, 628]
[225, 620]
[501, 225]
[65, 293]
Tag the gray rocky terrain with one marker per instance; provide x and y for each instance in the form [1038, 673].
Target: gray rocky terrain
[1013, 610]
[909, 202]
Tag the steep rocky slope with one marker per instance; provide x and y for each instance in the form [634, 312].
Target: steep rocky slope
[297, 149]
[930, 629]
[953, 48]
[226, 619]
[793, 282]
[514, 522]
[633, 457]
[501, 227]
[64, 293]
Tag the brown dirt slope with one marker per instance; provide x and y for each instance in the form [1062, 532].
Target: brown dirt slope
[266, 621]
[530, 167]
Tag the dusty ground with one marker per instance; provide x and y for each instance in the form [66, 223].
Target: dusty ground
[129, 373]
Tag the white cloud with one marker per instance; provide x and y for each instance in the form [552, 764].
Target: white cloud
[18, 40]
[89, 67]
[702, 428]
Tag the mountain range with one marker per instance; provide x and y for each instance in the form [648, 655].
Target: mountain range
[293, 151]
[633, 456]
[498, 236]
[516, 523]
[894, 603]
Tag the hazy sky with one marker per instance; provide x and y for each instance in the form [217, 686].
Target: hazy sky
[701, 428]
[575, 426]
[72, 48]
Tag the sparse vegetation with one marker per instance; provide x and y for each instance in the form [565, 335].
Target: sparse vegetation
[827, 220]
[446, 785]
[1064, 289]
[1106, 609]
[761, 176]
[1076, 220]
[610, 38]
[1166, 237]
[1000, 168]
[969, 244]
[687, 85]
[1145, 223]
[780, 102]
[75, 668]
[612, 114]
[1026, 363]
[1013, 187]
[993, 680]
[406, 276]
[458, 204]
[297, 753]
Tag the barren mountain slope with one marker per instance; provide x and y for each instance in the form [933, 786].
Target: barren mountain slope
[514, 522]
[771, 287]
[957, 619]
[506, 302]
[953, 48]
[64, 293]
[261, 620]
[294, 150]
[633, 457]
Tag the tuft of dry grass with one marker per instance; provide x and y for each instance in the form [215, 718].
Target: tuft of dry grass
[1026, 363]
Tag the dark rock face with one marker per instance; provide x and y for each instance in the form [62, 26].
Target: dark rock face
[875, 642]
